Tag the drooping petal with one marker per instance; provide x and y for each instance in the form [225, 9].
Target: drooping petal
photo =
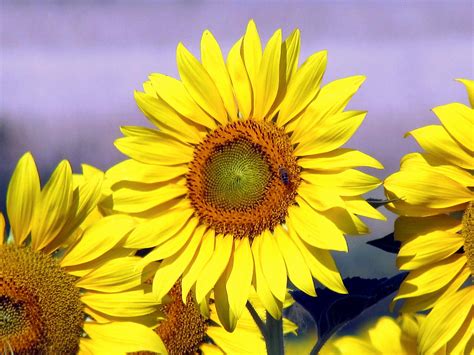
[273, 265]
[22, 196]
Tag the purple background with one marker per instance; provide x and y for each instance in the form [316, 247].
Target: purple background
[68, 71]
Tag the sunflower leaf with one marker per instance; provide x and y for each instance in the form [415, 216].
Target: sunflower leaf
[331, 311]
[387, 243]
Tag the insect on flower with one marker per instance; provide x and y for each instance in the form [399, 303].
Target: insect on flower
[285, 178]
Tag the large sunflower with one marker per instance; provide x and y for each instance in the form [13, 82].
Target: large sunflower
[385, 336]
[436, 227]
[63, 288]
[244, 182]
[186, 330]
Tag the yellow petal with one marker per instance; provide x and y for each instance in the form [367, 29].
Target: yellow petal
[157, 150]
[214, 64]
[407, 227]
[341, 158]
[431, 278]
[332, 99]
[110, 337]
[458, 120]
[429, 163]
[53, 207]
[215, 266]
[85, 199]
[319, 198]
[349, 182]
[174, 93]
[330, 136]
[166, 118]
[298, 272]
[271, 304]
[445, 319]
[320, 263]
[361, 207]
[172, 268]
[22, 196]
[113, 276]
[428, 189]
[131, 170]
[252, 52]
[240, 277]
[266, 87]
[226, 315]
[2, 228]
[238, 342]
[240, 80]
[200, 85]
[303, 87]
[190, 276]
[469, 84]
[210, 349]
[314, 228]
[461, 342]
[123, 304]
[427, 249]
[435, 140]
[132, 200]
[173, 245]
[292, 51]
[273, 266]
[98, 239]
[156, 231]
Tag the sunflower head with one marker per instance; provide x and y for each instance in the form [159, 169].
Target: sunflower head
[68, 281]
[243, 182]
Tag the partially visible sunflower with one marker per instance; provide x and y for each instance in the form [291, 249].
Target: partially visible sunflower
[185, 330]
[436, 227]
[385, 336]
[244, 181]
[65, 289]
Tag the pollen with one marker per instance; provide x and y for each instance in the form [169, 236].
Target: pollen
[184, 328]
[243, 177]
[40, 307]
[468, 234]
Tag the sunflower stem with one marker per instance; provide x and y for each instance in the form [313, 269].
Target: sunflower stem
[275, 345]
[260, 324]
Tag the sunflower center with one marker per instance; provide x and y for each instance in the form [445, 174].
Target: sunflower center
[243, 178]
[40, 307]
[236, 176]
[184, 329]
[468, 234]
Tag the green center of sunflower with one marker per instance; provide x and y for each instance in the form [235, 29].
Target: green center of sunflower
[236, 176]
[243, 178]
[468, 234]
[40, 307]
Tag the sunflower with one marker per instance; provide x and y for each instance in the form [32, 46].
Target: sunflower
[385, 336]
[65, 288]
[185, 330]
[243, 182]
[436, 227]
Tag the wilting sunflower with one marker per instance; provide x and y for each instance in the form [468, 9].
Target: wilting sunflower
[65, 289]
[436, 227]
[386, 336]
[185, 330]
[244, 181]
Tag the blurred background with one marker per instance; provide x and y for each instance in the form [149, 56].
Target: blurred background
[68, 70]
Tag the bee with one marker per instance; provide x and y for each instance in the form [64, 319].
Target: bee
[284, 176]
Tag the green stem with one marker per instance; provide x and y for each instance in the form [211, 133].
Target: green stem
[275, 345]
